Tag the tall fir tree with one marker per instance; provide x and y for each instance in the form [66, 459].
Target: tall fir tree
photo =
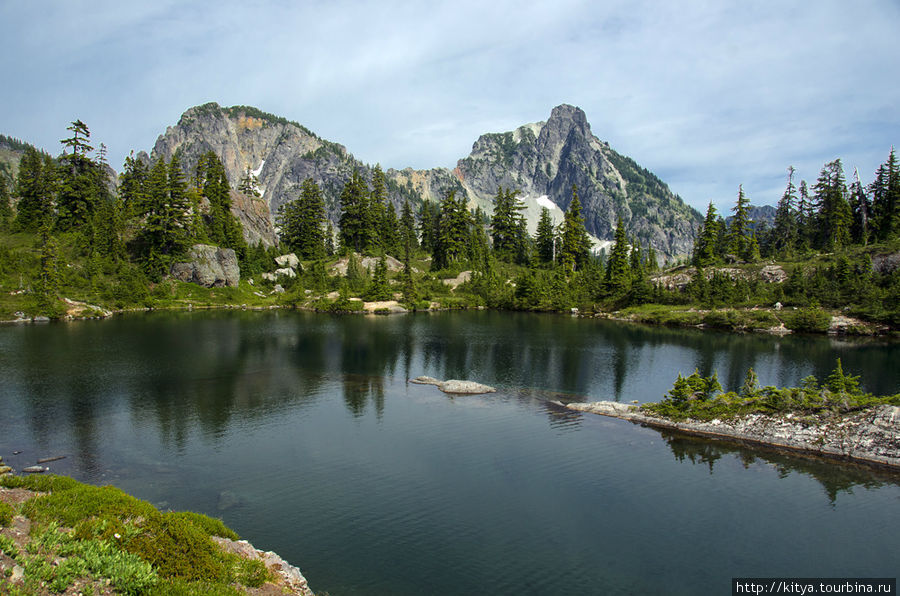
[165, 235]
[355, 219]
[545, 237]
[453, 238]
[35, 188]
[861, 210]
[508, 231]
[618, 267]
[302, 222]
[408, 238]
[706, 249]
[784, 231]
[739, 229]
[575, 249]
[885, 192]
[834, 216]
[81, 184]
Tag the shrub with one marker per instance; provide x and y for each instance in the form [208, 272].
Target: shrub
[809, 319]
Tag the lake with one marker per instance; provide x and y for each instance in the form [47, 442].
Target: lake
[302, 432]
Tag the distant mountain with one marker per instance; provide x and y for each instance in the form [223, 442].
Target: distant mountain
[760, 215]
[543, 160]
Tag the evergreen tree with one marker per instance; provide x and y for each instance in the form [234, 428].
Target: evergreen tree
[429, 215]
[302, 222]
[575, 247]
[34, 187]
[379, 288]
[133, 187]
[221, 226]
[706, 247]
[861, 210]
[47, 289]
[508, 230]
[885, 191]
[618, 268]
[453, 235]
[355, 218]
[408, 234]
[784, 232]
[81, 182]
[330, 249]
[806, 219]
[546, 237]
[5, 208]
[834, 211]
[738, 231]
[408, 238]
[165, 235]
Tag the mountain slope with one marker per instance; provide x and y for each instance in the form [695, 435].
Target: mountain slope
[543, 160]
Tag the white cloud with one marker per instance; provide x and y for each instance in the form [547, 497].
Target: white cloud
[708, 95]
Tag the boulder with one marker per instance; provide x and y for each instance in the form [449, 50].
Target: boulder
[288, 260]
[209, 266]
[285, 272]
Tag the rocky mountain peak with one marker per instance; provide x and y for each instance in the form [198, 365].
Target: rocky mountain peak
[542, 160]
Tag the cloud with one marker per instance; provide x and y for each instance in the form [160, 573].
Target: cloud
[708, 95]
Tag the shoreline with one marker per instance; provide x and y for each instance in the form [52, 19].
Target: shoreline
[870, 437]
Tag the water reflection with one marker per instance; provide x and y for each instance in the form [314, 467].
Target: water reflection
[200, 372]
[835, 478]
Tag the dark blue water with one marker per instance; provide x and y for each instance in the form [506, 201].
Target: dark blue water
[302, 433]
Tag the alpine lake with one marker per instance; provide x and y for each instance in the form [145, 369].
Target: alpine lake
[302, 432]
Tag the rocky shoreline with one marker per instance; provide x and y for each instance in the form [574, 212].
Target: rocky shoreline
[871, 436]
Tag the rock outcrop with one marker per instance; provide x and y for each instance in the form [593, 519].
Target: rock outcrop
[209, 266]
[871, 436]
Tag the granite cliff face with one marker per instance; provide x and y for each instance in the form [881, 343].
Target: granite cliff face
[543, 160]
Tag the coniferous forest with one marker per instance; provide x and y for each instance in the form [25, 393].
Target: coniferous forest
[71, 233]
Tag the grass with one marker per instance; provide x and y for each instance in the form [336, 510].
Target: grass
[85, 536]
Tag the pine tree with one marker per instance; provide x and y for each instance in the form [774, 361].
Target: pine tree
[302, 222]
[885, 191]
[133, 187]
[81, 182]
[738, 231]
[453, 235]
[165, 235]
[379, 288]
[5, 208]
[861, 210]
[618, 268]
[34, 187]
[806, 218]
[546, 238]
[508, 231]
[408, 238]
[784, 232]
[706, 247]
[575, 247]
[355, 218]
[222, 227]
[834, 216]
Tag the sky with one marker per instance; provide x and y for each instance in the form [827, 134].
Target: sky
[708, 95]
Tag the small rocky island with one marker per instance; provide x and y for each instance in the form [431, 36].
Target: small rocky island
[870, 436]
[455, 386]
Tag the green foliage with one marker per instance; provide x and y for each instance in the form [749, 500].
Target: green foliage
[302, 222]
[6, 514]
[379, 288]
[177, 548]
[698, 397]
[575, 245]
[810, 319]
